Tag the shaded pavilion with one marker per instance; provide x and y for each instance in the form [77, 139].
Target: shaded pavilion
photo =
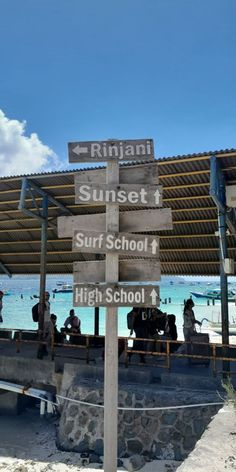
[30, 205]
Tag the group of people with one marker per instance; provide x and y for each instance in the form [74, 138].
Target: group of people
[72, 326]
[147, 323]
[153, 324]
[150, 324]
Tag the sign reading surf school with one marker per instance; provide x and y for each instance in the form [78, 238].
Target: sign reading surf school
[116, 295]
[113, 150]
[122, 243]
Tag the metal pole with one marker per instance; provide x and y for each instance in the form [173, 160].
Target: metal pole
[224, 289]
[43, 261]
[96, 321]
[96, 311]
[111, 340]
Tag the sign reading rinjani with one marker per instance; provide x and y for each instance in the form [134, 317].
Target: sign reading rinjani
[87, 151]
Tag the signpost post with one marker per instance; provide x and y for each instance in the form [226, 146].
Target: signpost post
[96, 283]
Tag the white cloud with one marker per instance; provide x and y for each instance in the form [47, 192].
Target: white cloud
[21, 154]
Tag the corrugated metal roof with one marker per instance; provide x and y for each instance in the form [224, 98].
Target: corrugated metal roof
[190, 248]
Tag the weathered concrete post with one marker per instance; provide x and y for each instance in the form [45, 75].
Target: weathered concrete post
[111, 343]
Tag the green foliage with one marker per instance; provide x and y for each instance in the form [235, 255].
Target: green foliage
[231, 393]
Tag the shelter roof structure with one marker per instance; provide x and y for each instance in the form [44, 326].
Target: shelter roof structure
[191, 248]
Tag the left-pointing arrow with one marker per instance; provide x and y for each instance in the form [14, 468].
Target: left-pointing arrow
[80, 150]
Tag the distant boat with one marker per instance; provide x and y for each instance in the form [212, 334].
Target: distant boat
[66, 288]
[61, 282]
[217, 327]
[215, 294]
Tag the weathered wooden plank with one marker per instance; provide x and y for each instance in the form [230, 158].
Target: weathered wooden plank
[121, 243]
[116, 295]
[129, 271]
[117, 150]
[130, 221]
[136, 174]
[123, 194]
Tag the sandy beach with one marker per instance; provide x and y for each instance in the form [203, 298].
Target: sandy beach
[28, 445]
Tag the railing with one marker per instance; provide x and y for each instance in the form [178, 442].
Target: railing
[162, 347]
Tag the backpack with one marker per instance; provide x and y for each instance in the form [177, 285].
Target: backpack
[35, 313]
[130, 320]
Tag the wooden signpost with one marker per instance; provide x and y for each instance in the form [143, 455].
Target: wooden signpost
[137, 174]
[129, 271]
[113, 150]
[97, 283]
[136, 221]
[121, 243]
[116, 295]
[123, 194]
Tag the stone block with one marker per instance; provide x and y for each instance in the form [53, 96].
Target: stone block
[22, 371]
[134, 462]
[134, 446]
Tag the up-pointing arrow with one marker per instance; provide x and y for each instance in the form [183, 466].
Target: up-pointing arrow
[154, 296]
[154, 245]
[157, 197]
[80, 150]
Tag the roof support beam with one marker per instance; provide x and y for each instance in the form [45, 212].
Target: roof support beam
[28, 186]
[5, 270]
[217, 192]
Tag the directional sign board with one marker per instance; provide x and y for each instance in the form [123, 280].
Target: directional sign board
[116, 295]
[129, 271]
[130, 221]
[123, 194]
[122, 243]
[135, 174]
[113, 150]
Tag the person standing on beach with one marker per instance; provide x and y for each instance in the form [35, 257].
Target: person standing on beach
[189, 320]
[1, 296]
[139, 325]
[47, 324]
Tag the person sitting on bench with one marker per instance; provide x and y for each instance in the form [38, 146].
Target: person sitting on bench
[72, 325]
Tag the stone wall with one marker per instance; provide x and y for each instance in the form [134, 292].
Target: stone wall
[165, 434]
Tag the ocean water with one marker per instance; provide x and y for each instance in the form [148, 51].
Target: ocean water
[18, 303]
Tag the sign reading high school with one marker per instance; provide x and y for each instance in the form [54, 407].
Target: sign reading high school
[113, 150]
[116, 295]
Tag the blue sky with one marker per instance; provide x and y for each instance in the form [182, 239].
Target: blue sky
[78, 70]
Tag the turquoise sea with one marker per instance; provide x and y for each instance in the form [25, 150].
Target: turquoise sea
[17, 310]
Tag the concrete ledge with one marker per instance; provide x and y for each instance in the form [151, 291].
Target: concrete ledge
[84, 371]
[22, 370]
[193, 382]
[215, 451]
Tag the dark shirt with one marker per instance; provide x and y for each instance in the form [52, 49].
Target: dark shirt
[153, 326]
[140, 326]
